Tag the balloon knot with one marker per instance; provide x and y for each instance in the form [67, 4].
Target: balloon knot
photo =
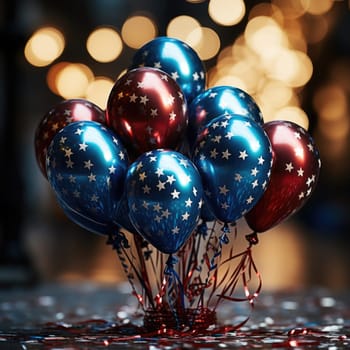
[225, 228]
[202, 229]
[169, 268]
[252, 238]
[117, 240]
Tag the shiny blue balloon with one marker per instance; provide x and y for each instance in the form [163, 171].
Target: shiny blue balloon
[102, 228]
[86, 167]
[234, 157]
[165, 197]
[122, 215]
[217, 101]
[176, 58]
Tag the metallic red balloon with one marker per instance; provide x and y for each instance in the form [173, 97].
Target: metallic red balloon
[147, 110]
[295, 171]
[57, 118]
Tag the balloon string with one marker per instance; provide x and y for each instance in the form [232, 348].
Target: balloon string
[144, 278]
[200, 236]
[194, 285]
[212, 264]
[244, 271]
[174, 289]
[189, 262]
[120, 243]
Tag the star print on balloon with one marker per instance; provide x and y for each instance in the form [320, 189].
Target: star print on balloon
[86, 167]
[147, 109]
[217, 101]
[164, 193]
[176, 58]
[294, 175]
[63, 113]
[234, 158]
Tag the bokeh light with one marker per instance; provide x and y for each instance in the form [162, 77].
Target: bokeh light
[292, 67]
[181, 27]
[292, 9]
[73, 79]
[293, 114]
[104, 44]
[98, 91]
[318, 7]
[226, 12]
[205, 41]
[265, 37]
[53, 72]
[138, 30]
[44, 46]
[315, 29]
[276, 94]
[330, 102]
[268, 10]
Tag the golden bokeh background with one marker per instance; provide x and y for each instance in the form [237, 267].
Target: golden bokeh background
[291, 56]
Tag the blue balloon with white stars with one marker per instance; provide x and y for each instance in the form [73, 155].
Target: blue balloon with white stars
[176, 58]
[89, 224]
[86, 166]
[234, 157]
[122, 215]
[217, 101]
[164, 192]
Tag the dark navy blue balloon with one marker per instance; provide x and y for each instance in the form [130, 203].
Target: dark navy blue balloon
[122, 215]
[86, 167]
[164, 192]
[217, 101]
[234, 157]
[102, 228]
[176, 58]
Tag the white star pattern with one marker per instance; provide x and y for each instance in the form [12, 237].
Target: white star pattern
[83, 146]
[175, 194]
[289, 167]
[251, 159]
[88, 164]
[165, 183]
[133, 98]
[161, 185]
[243, 155]
[223, 190]
[185, 216]
[81, 187]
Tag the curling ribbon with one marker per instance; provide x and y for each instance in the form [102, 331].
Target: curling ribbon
[244, 270]
[223, 239]
[119, 243]
[174, 288]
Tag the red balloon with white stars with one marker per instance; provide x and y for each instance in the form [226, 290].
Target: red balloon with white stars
[60, 115]
[295, 171]
[147, 110]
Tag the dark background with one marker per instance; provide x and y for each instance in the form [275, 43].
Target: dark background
[311, 248]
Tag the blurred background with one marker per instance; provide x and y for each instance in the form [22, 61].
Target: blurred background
[292, 56]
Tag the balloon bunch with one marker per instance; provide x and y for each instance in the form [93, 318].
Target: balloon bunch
[167, 164]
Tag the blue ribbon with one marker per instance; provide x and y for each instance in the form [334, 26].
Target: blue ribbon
[174, 290]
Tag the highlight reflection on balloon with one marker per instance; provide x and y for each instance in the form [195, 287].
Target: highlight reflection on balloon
[217, 101]
[176, 58]
[147, 109]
